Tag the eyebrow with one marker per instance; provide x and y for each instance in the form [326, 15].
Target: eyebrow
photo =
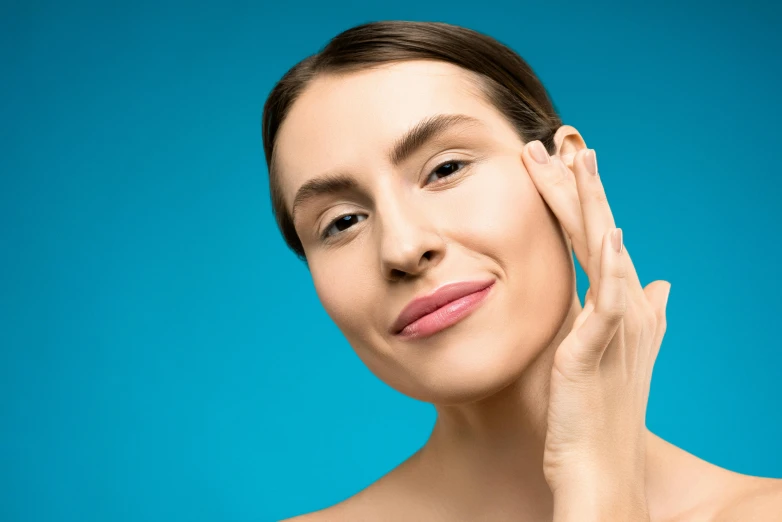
[408, 144]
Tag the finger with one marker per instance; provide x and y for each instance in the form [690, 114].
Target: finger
[557, 185]
[599, 328]
[598, 218]
[581, 317]
[556, 182]
[657, 294]
[633, 281]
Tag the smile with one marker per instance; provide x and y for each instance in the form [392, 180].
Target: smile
[445, 307]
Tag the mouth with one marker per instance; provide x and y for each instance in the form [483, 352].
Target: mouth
[446, 306]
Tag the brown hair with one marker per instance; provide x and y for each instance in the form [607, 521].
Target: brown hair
[507, 81]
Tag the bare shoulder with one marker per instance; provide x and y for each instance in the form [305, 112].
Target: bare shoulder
[323, 515]
[351, 509]
[757, 499]
[369, 504]
[690, 489]
[378, 502]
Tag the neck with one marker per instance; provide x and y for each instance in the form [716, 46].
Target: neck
[492, 449]
[489, 453]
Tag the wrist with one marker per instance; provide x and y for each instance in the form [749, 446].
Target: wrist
[600, 506]
[591, 511]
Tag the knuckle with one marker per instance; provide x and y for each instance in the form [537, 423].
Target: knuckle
[613, 311]
[620, 270]
[557, 179]
[650, 318]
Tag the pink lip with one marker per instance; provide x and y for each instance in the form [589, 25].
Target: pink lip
[442, 308]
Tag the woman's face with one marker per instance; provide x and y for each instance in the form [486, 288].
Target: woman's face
[380, 230]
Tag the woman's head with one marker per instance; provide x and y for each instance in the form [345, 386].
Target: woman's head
[395, 168]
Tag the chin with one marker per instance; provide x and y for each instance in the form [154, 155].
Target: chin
[459, 365]
[471, 368]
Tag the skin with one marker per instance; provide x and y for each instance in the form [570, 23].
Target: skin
[512, 380]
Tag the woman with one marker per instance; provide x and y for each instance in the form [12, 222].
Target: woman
[422, 173]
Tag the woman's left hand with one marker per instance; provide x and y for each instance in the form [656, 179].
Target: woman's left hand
[595, 446]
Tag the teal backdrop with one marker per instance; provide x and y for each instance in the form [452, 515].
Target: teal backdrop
[164, 357]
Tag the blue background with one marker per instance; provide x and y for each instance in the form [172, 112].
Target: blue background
[164, 357]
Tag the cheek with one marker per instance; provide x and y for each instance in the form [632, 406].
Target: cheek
[342, 288]
[349, 289]
[500, 215]
[498, 212]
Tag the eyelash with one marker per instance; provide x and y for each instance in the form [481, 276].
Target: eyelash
[325, 235]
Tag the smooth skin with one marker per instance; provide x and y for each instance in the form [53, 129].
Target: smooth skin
[541, 403]
[603, 366]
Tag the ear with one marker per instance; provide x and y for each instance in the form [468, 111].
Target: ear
[568, 141]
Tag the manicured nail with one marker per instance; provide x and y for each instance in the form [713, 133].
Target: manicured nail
[616, 240]
[538, 152]
[590, 158]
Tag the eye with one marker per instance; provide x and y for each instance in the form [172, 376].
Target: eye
[445, 169]
[341, 223]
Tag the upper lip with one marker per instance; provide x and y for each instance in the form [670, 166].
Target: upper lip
[421, 306]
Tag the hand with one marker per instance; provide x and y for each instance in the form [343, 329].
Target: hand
[596, 434]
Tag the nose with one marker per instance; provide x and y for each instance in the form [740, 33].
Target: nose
[409, 243]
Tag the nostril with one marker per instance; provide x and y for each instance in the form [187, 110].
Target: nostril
[397, 274]
[428, 255]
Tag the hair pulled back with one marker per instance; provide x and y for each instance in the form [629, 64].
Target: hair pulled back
[506, 80]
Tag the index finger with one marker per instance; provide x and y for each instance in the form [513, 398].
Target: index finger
[557, 185]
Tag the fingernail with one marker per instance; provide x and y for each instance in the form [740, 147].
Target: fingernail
[538, 152]
[590, 158]
[616, 240]
[667, 294]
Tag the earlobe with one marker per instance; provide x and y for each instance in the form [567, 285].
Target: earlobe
[568, 142]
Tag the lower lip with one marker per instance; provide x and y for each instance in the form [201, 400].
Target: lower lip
[445, 316]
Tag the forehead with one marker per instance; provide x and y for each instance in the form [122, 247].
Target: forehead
[349, 121]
